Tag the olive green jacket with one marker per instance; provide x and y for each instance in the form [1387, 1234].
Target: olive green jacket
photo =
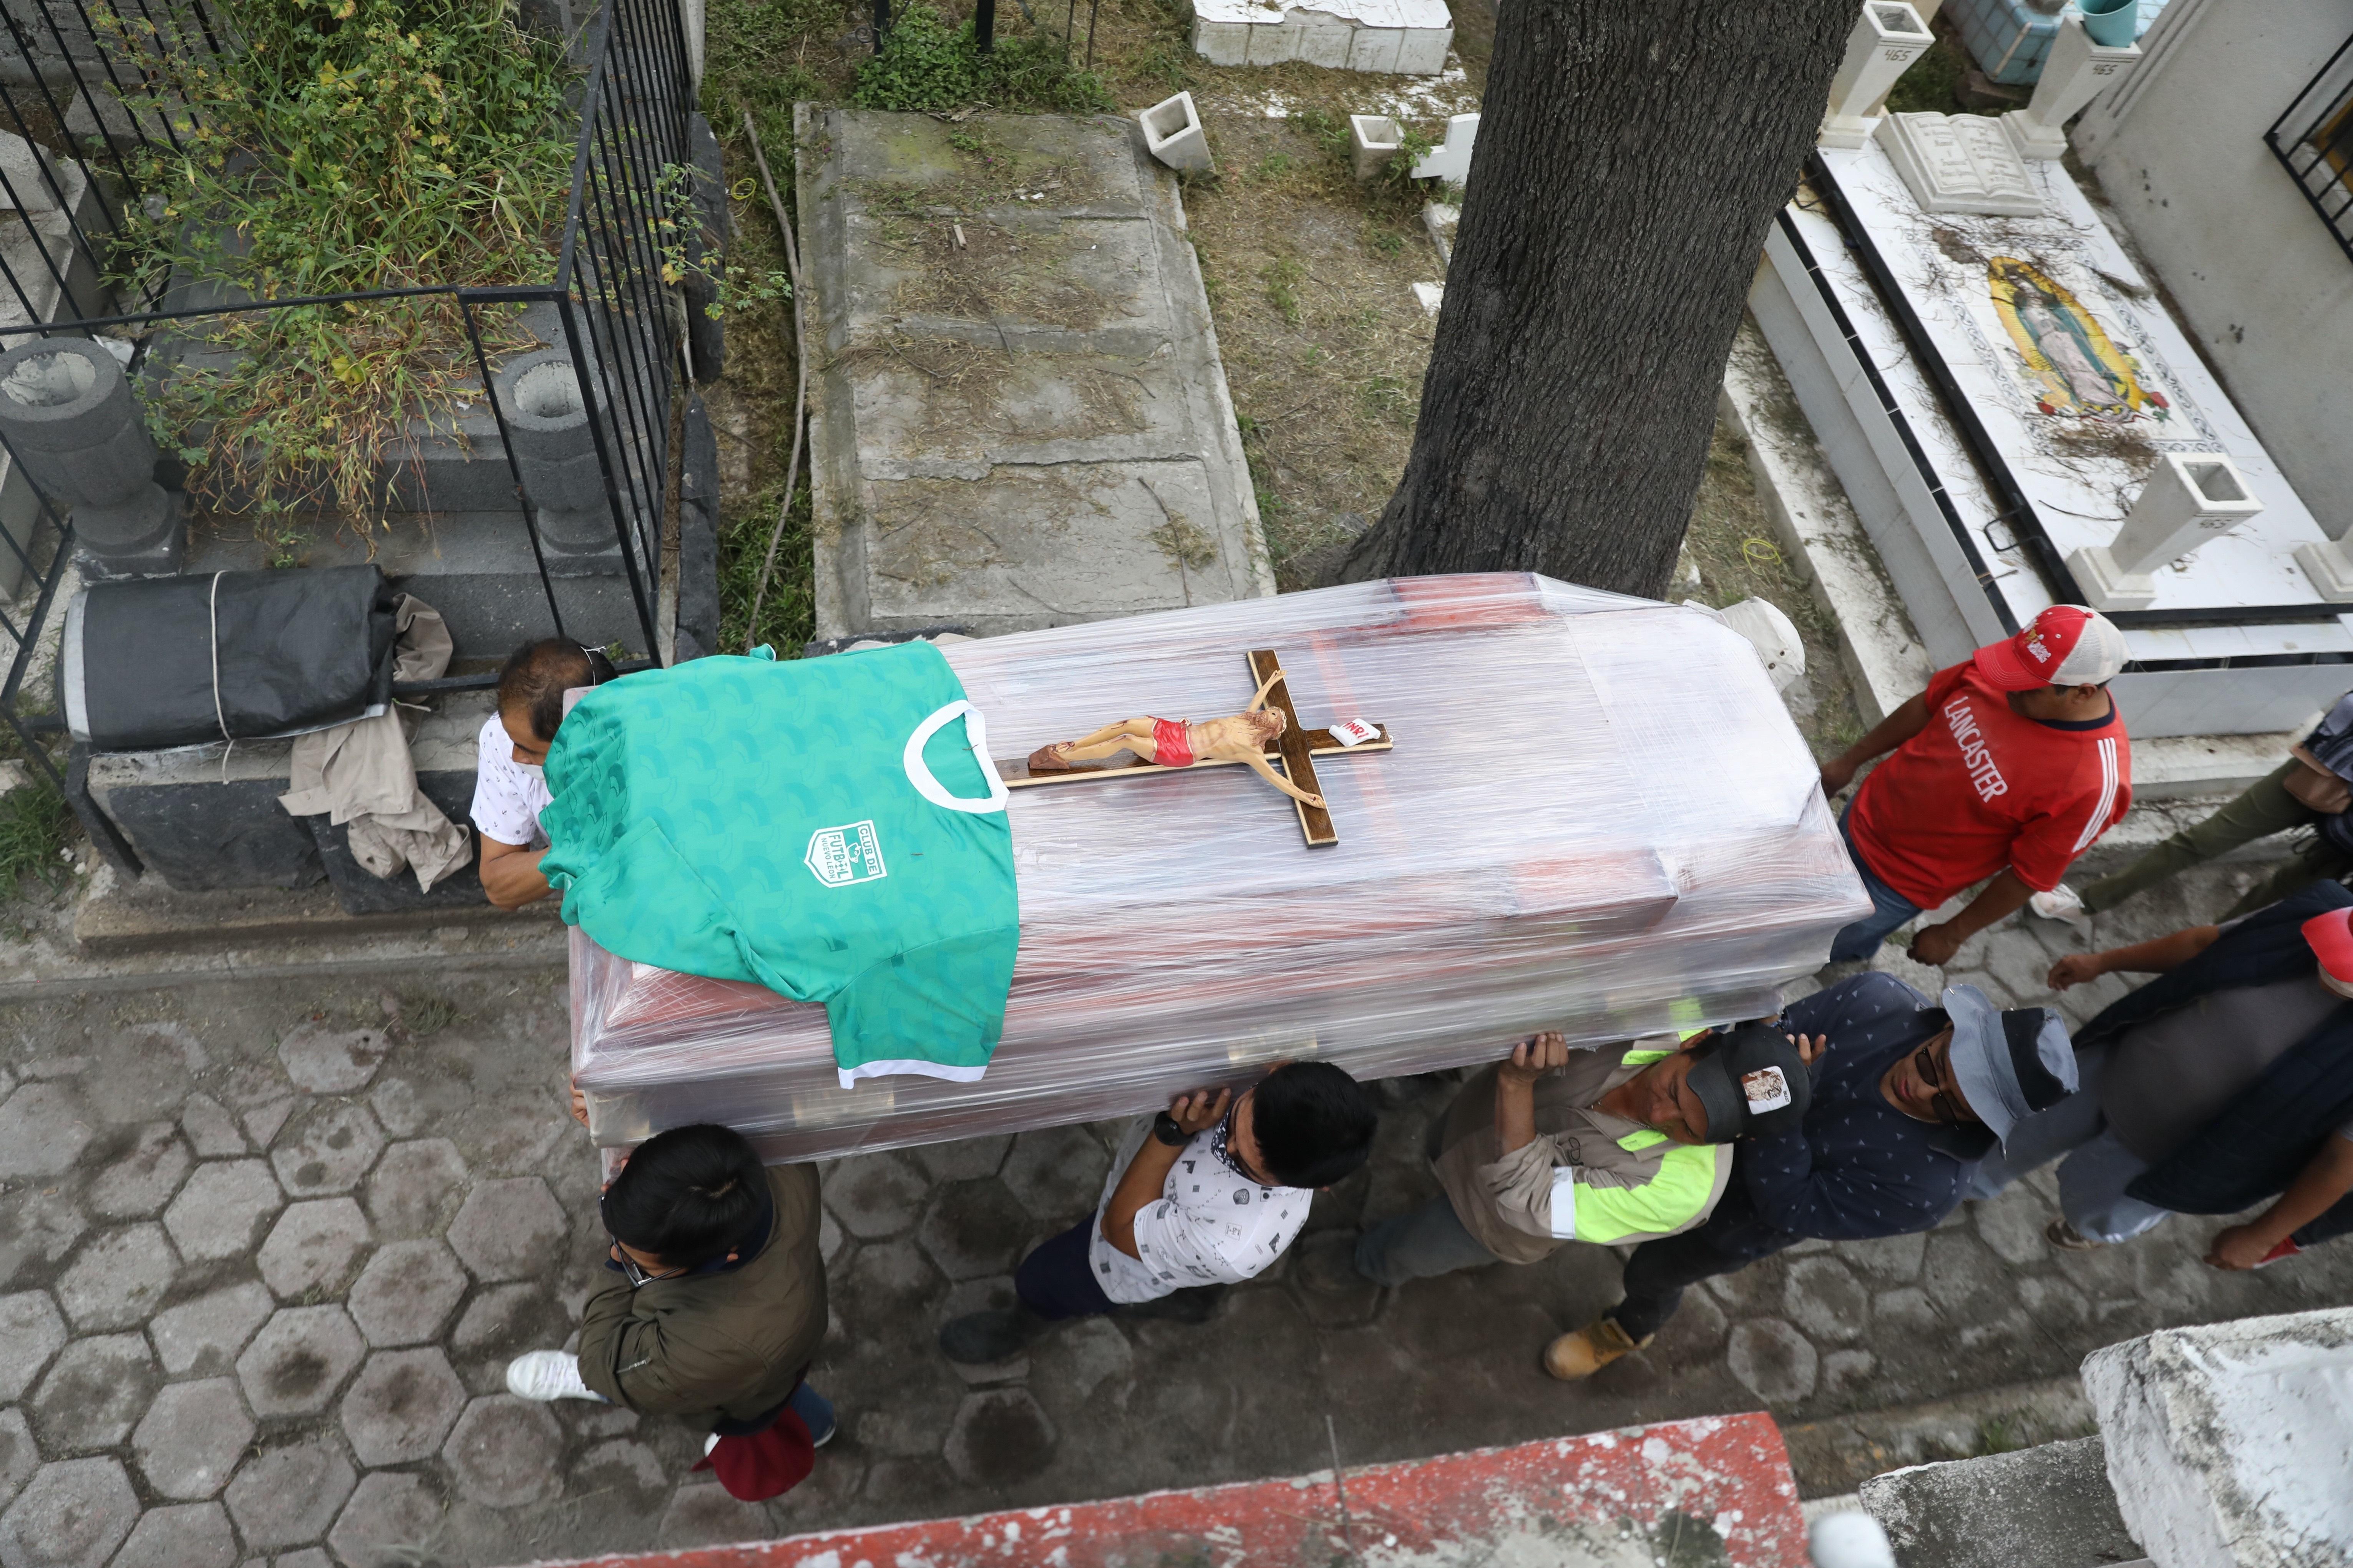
[716, 1345]
[1588, 1176]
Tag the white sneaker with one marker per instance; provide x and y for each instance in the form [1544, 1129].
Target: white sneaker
[549, 1374]
[2061, 903]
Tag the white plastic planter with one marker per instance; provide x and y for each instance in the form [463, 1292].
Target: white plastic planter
[2193, 497]
[1173, 133]
[1886, 39]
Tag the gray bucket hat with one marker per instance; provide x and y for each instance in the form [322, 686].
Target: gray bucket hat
[2009, 1065]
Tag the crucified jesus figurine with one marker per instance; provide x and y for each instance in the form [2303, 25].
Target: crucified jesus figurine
[1240, 738]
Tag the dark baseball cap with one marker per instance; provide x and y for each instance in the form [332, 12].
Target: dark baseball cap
[1753, 1083]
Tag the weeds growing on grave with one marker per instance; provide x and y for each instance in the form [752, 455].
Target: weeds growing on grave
[929, 65]
[347, 145]
[426, 1014]
[35, 823]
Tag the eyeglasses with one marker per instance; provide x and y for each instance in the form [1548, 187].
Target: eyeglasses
[1947, 1108]
[635, 1272]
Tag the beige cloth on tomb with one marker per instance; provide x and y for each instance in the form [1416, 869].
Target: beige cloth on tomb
[362, 778]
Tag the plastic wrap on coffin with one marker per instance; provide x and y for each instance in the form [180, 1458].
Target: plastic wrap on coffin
[1597, 817]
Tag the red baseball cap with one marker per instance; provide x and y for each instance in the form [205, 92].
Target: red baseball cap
[2066, 645]
[2330, 937]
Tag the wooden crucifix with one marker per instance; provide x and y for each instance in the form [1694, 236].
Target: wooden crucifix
[1264, 735]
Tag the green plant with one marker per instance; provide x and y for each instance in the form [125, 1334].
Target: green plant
[424, 1014]
[1388, 241]
[344, 147]
[928, 65]
[33, 825]
[1273, 166]
[789, 614]
[1413, 146]
[1329, 130]
[734, 287]
[1283, 275]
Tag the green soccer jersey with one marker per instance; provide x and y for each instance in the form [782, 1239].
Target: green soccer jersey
[825, 828]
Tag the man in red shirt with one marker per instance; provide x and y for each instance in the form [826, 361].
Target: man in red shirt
[2007, 767]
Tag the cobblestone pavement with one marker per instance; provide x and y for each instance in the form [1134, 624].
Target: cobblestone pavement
[265, 1249]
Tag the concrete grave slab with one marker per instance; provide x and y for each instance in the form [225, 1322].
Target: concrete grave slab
[1023, 419]
[2226, 1442]
[2048, 1504]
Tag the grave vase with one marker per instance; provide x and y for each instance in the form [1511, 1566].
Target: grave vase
[2191, 499]
[2114, 23]
[555, 454]
[2076, 71]
[68, 416]
[1887, 37]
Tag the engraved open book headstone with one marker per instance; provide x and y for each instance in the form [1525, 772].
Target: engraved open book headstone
[1959, 164]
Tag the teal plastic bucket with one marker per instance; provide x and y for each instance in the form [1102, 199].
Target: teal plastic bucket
[2112, 24]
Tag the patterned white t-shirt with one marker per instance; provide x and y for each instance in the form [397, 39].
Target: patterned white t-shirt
[1211, 1225]
[508, 796]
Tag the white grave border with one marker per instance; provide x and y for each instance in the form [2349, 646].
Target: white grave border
[2013, 499]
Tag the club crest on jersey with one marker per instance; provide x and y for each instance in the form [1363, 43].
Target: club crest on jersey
[843, 856]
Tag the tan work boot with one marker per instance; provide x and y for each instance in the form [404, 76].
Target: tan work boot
[1589, 1349]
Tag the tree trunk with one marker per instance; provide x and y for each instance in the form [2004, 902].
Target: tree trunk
[1631, 154]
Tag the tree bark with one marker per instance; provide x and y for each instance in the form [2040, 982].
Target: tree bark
[1630, 155]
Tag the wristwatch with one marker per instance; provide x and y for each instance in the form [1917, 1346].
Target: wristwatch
[1165, 1127]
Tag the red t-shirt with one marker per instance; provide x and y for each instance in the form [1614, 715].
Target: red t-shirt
[1980, 789]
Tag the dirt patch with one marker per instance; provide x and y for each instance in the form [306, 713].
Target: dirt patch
[1733, 554]
[975, 269]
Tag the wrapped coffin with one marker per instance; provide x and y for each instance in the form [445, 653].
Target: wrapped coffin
[1596, 816]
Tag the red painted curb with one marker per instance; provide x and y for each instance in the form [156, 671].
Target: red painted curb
[1680, 1482]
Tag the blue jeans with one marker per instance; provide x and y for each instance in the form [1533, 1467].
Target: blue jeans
[814, 1410]
[2097, 1168]
[1430, 1240]
[1055, 1280]
[1889, 909]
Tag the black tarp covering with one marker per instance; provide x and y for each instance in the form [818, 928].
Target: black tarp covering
[297, 650]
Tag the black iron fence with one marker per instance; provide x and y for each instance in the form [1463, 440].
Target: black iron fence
[2313, 138]
[81, 86]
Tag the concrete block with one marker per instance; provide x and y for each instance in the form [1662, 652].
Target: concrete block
[289, 1495]
[220, 1212]
[1324, 38]
[313, 1248]
[389, 1514]
[297, 1363]
[415, 1187]
[1421, 51]
[339, 1061]
[1376, 50]
[43, 1131]
[506, 1452]
[510, 1230]
[183, 1535]
[138, 1184]
[31, 1332]
[94, 1390]
[1173, 135]
[2050, 1504]
[1373, 140]
[401, 1406]
[206, 1334]
[118, 1280]
[76, 1512]
[331, 1150]
[2226, 1442]
[1222, 43]
[191, 1438]
[405, 1293]
[1272, 44]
